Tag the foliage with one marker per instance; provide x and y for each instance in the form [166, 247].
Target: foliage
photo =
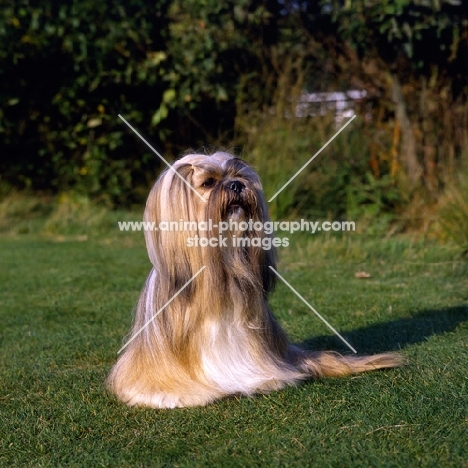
[411, 58]
[152, 63]
[192, 73]
[344, 181]
[454, 211]
[425, 31]
[216, 48]
[68, 69]
[339, 183]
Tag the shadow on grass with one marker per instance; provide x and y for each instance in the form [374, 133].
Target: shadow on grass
[394, 335]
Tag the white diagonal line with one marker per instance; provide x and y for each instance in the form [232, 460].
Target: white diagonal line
[312, 158]
[161, 309]
[162, 159]
[313, 310]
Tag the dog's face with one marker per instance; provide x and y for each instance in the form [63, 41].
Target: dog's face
[227, 188]
[212, 188]
[230, 187]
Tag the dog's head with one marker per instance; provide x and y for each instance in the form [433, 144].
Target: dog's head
[192, 198]
[198, 187]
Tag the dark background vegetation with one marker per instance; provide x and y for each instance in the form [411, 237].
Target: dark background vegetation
[206, 73]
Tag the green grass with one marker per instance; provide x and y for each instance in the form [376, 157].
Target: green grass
[66, 304]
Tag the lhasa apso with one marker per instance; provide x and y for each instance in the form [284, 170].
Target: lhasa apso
[218, 336]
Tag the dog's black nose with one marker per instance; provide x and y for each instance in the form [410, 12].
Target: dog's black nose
[235, 186]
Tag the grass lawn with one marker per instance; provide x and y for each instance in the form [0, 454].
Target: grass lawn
[65, 306]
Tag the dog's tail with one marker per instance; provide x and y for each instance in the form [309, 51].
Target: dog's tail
[318, 364]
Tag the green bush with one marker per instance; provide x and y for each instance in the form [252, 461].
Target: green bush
[339, 183]
[68, 70]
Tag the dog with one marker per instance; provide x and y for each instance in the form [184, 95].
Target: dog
[197, 339]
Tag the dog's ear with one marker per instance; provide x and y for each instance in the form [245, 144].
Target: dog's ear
[170, 203]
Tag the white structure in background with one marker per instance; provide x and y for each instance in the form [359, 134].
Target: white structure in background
[339, 103]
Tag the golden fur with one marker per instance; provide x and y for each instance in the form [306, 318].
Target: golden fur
[218, 337]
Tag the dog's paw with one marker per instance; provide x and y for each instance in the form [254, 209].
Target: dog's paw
[168, 400]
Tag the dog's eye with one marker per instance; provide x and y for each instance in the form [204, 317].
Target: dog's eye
[209, 182]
